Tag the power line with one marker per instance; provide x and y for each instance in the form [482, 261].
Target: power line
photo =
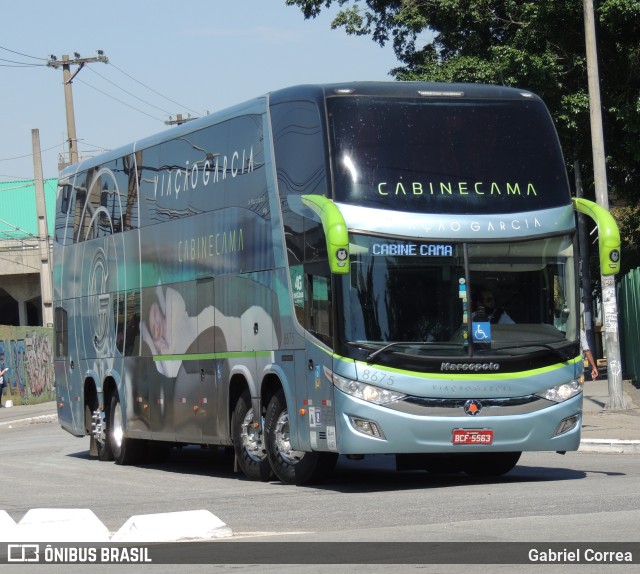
[95, 147]
[129, 93]
[53, 62]
[118, 100]
[80, 63]
[151, 89]
[21, 54]
[14, 64]
[28, 154]
[26, 185]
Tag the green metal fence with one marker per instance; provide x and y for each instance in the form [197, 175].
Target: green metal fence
[628, 325]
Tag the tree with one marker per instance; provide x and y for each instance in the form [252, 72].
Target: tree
[538, 45]
[628, 219]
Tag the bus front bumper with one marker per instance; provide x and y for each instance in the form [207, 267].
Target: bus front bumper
[367, 428]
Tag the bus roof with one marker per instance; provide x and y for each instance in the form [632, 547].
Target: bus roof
[312, 92]
[401, 89]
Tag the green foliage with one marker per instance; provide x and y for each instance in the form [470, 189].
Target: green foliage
[628, 220]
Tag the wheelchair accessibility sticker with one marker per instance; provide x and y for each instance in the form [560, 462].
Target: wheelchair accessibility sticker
[481, 332]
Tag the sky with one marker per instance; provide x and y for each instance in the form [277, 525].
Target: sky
[166, 57]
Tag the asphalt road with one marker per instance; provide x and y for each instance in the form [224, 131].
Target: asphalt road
[571, 499]
[44, 467]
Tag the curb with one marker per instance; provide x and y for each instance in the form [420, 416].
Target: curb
[610, 446]
[30, 420]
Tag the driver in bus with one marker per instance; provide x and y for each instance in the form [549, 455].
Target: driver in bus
[495, 315]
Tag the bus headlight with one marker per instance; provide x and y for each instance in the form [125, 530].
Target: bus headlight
[369, 393]
[561, 393]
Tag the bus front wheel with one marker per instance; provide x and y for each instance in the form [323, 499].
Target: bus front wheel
[292, 466]
[248, 441]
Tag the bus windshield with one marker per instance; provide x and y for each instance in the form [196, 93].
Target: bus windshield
[446, 156]
[430, 298]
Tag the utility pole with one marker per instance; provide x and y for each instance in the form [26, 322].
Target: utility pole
[609, 300]
[65, 63]
[43, 233]
[585, 271]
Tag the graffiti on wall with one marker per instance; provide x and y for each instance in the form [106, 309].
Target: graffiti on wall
[31, 370]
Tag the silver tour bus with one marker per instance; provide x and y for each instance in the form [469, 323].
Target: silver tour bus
[347, 269]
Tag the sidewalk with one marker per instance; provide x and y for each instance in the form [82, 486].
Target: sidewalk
[610, 431]
[602, 430]
[27, 414]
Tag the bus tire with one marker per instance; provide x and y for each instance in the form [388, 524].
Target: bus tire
[291, 466]
[248, 442]
[88, 429]
[103, 446]
[125, 450]
[490, 463]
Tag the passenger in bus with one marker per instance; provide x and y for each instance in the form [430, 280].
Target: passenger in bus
[495, 315]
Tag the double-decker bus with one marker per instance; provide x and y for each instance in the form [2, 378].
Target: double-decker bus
[297, 277]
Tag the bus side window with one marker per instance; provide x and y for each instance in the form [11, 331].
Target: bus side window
[127, 323]
[81, 199]
[63, 226]
[61, 343]
[318, 312]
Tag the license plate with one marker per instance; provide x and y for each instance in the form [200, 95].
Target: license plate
[474, 436]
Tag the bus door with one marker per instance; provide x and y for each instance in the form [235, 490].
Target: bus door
[319, 324]
[190, 323]
[208, 409]
[68, 374]
[67, 370]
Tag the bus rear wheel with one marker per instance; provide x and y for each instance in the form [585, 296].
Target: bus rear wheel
[124, 450]
[292, 466]
[248, 441]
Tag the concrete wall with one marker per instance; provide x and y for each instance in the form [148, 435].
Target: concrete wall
[20, 279]
[28, 352]
[19, 257]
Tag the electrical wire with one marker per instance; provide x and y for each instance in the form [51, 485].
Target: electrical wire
[29, 154]
[151, 89]
[16, 64]
[93, 146]
[117, 100]
[128, 93]
[24, 186]
[21, 54]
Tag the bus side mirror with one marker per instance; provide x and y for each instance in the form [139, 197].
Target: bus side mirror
[335, 230]
[608, 234]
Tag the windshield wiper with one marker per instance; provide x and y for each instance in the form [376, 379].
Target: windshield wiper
[557, 352]
[423, 344]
